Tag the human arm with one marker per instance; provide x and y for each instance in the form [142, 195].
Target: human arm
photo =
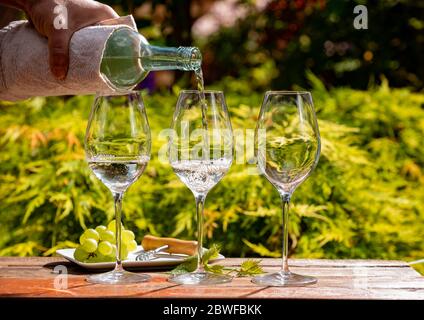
[77, 13]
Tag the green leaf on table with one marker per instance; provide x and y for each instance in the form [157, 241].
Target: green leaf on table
[191, 263]
[250, 267]
[216, 268]
[188, 265]
[211, 253]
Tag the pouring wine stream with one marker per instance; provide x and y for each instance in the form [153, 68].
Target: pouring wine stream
[204, 107]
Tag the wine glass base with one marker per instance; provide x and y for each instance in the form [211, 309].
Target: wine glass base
[284, 279]
[200, 278]
[118, 277]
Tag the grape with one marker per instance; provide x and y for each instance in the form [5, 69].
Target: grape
[89, 234]
[131, 246]
[100, 229]
[127, 236]
[107, 236]
[113, 254]
[105, 248]
[103, 258]
[81, 239]
[94, 257]
[124, 252]
[98, 257]
[89, 245]
[97, 245]
[112, 226]
[80, 254]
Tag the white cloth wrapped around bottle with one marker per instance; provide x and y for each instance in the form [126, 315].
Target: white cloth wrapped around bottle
[24, 67]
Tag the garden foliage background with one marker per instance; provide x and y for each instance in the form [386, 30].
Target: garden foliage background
[366, 196]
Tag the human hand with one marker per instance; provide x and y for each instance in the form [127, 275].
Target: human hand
[80, 13]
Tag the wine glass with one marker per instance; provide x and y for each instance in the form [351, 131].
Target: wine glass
[117, 147]
[287, 147]
[200, 152]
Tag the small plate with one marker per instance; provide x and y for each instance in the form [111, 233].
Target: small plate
[165, 260]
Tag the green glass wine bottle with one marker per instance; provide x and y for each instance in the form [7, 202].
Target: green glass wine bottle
[128, 58]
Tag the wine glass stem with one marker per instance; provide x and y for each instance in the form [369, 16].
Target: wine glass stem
[200, 202]
[117, 197]
[285, 206]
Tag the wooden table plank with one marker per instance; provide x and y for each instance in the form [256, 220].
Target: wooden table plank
[337, 279]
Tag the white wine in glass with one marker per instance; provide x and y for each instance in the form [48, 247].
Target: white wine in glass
[201, 153]
[117, 147]
[287, 147]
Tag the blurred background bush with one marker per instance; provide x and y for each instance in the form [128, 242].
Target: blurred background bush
[366, 197]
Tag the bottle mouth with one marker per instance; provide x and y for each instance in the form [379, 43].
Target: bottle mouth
[192, 57]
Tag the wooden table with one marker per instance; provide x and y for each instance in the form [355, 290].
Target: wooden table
[337, 279]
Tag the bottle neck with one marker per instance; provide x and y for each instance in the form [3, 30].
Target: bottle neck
[154, 58]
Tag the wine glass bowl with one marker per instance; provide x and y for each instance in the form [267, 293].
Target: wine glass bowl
[291, 148]
[287, 147]
[117, 146]
[200, 153]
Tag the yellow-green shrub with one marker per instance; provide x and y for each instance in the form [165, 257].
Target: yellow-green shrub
[364, 200]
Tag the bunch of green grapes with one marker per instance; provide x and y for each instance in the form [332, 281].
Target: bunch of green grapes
[98, 245]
